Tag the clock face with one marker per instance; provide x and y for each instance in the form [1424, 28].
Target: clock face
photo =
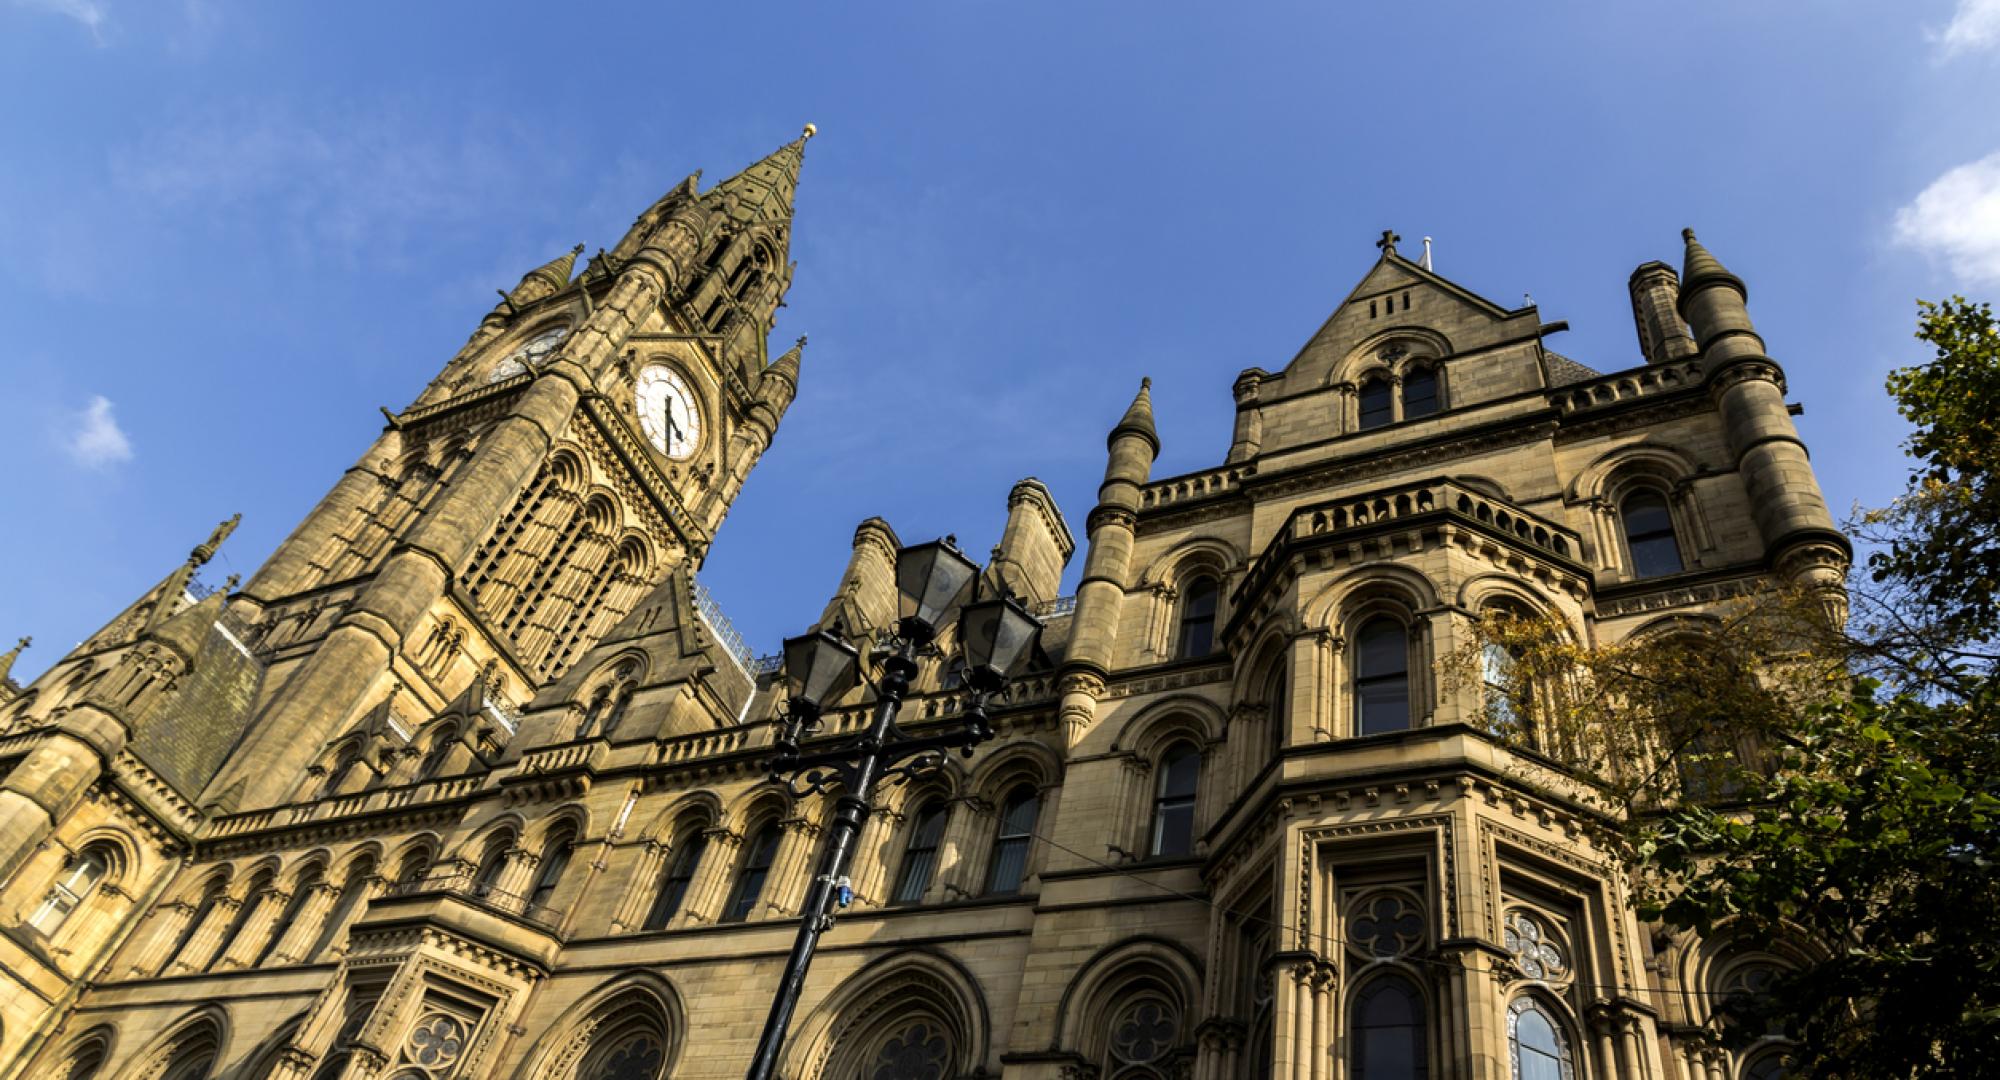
[668, 413]
[531, 351]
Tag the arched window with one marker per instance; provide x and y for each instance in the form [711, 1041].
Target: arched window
[1143, 1036]
[80, 877]
[1197, 626]
[434, 758]
[302, 891]
[252, 899]
[202, 908]
[626, 1048]
[1769, 1065]
[491, 863]
[921, 854]
[1540, 1050]
[675, 881]
[555, 859]
[1649, 534]
[1382, 676]
[85, 1061]
[594, 716]
[1507, 699]
[1378, 405]
[619, 704]
[1420, 393]
[1278, 707]
[1173, 802]
[1010, 845]
[1389, 1042]
[750, 880]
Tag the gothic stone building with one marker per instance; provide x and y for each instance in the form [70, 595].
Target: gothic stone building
[468, 779]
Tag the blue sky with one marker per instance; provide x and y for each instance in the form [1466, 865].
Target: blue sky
[231, 231]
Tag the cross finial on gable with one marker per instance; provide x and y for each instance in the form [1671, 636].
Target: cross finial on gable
[1388, 241]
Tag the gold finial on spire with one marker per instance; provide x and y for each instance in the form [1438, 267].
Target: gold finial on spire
[205, 550]
[810, 131]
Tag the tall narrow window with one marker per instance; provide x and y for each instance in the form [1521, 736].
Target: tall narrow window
[1378, 406]
[1649, 534]
[1382, 676]
[79, 877]
[617, 714]
[1540, 1051]
[1173, 805]
[1010, 844]
[555, 860]
[1506, 700]
[1197, 636]
[491, 863]
[593, 718]
[920, 855]
[302, 890]
[434, 758]
[1420, 393]
[674, 883]
[1278, 707]
[1389, 1042]
[750, 880]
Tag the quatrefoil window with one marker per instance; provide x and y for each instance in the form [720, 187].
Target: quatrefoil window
[1536, 947]
[1144, 1032]
[438, 1040]
[917, 1053]
[638, 1058]
[1387, 925]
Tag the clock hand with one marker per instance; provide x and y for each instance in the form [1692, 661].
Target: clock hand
[673, 429]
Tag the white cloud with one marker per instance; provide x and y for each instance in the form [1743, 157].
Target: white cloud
[1975, 25]
[1958, 218]
[88, 12]
[97, 442]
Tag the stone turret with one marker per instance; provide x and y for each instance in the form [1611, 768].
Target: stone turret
[546, 280]
[1133, 445]
[1748, 388]
[1656, 291]
[866, 599]
[1248, 437]
[1034, 547]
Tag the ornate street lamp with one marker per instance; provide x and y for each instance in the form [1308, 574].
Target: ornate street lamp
[934, 583]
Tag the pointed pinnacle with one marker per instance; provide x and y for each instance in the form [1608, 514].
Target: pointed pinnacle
[7, 658]
[205, 550]
[1138, 418]
[1700, 268]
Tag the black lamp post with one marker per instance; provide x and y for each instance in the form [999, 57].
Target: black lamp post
[934, 582]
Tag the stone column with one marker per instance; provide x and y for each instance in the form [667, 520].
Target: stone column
[373, 886]
[705, 893]
[516, 878]
[200, 948]
[307, 923]
[874, 861]
[257, 929]
[957, 853]
[791, 865]
[648, 864]
[168, 923]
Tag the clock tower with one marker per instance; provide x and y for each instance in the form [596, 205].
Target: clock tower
[582, 446]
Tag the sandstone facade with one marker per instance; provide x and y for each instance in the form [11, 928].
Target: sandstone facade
[467, 780]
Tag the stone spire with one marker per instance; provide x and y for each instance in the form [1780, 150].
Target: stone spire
[762, 193]
[7, 658]
[1699, 268]
[787, 366]
[1138, 418]
[545, 280]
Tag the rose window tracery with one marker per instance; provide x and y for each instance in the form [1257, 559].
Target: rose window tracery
[1143, 1033]
[1536, 947]
[437, 1041]
[1389, 924]
[637, 1058]
[918, 1052]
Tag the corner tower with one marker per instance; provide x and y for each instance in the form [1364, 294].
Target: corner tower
[585, 443]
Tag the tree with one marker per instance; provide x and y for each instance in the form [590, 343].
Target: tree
[1777, 775]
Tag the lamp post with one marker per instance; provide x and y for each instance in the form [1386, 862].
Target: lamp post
[934, 581]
